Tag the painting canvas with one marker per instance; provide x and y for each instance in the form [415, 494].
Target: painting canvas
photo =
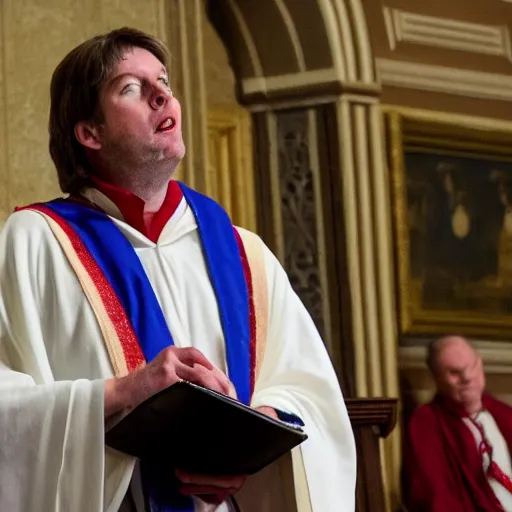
[452, 197]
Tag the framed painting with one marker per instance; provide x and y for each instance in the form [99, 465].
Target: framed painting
[451, 184]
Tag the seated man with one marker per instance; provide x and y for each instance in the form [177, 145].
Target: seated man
[457, 447]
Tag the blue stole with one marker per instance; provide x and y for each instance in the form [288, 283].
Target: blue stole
[122, 268]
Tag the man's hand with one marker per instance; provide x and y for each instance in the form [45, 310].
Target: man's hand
[170, 366]
[211, 489]
[269, 411]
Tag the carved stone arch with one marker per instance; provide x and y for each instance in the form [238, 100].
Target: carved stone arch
[306, 71]
[317, 47]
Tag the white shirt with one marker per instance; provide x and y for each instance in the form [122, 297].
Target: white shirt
[500, 454]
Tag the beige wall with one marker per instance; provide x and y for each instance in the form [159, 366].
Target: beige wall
[464, 52]
[34, 37]
[219, 77]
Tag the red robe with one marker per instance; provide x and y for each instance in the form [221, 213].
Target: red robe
[442, 467]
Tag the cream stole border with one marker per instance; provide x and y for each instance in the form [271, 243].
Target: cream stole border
[255, 257]
[108, 330]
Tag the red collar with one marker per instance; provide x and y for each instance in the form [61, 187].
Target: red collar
[455, 408]
[132, 207]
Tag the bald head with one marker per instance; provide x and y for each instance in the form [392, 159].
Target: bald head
[454, 343]
[457, 370]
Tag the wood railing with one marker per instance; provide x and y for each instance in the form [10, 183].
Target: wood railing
[372, 419]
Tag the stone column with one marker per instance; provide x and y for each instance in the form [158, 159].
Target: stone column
[184, 34]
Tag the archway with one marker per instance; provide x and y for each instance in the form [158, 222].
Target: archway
[306, 72]
[318, 48]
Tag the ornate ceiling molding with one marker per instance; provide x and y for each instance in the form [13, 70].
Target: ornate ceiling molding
[409, 27]
[462, 82]
[293, 33]
[246, 35]
[276, 83]
[288, 69]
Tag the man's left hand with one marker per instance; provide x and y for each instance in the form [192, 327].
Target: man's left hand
[212, 489]
[269, 411]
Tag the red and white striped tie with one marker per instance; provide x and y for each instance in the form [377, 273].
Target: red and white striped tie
[493, 470]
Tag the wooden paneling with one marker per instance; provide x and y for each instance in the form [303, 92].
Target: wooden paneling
[372, 419]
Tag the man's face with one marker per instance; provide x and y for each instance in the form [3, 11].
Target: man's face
[141, 120]
[460, 373]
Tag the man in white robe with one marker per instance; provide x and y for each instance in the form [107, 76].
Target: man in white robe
[115, 138]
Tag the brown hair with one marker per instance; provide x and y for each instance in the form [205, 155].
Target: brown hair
[74, 96]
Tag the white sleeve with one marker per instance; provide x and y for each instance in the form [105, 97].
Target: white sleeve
[297, 377]
[52, 452]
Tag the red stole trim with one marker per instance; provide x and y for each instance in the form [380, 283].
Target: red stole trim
[252, 313]
[131, 349]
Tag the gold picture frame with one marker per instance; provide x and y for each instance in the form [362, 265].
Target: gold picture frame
[451, 190]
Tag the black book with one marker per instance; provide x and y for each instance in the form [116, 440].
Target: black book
[197, 430]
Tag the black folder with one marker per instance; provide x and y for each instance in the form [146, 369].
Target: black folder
[197, 430]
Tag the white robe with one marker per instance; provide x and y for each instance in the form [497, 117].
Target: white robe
[54, 362]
